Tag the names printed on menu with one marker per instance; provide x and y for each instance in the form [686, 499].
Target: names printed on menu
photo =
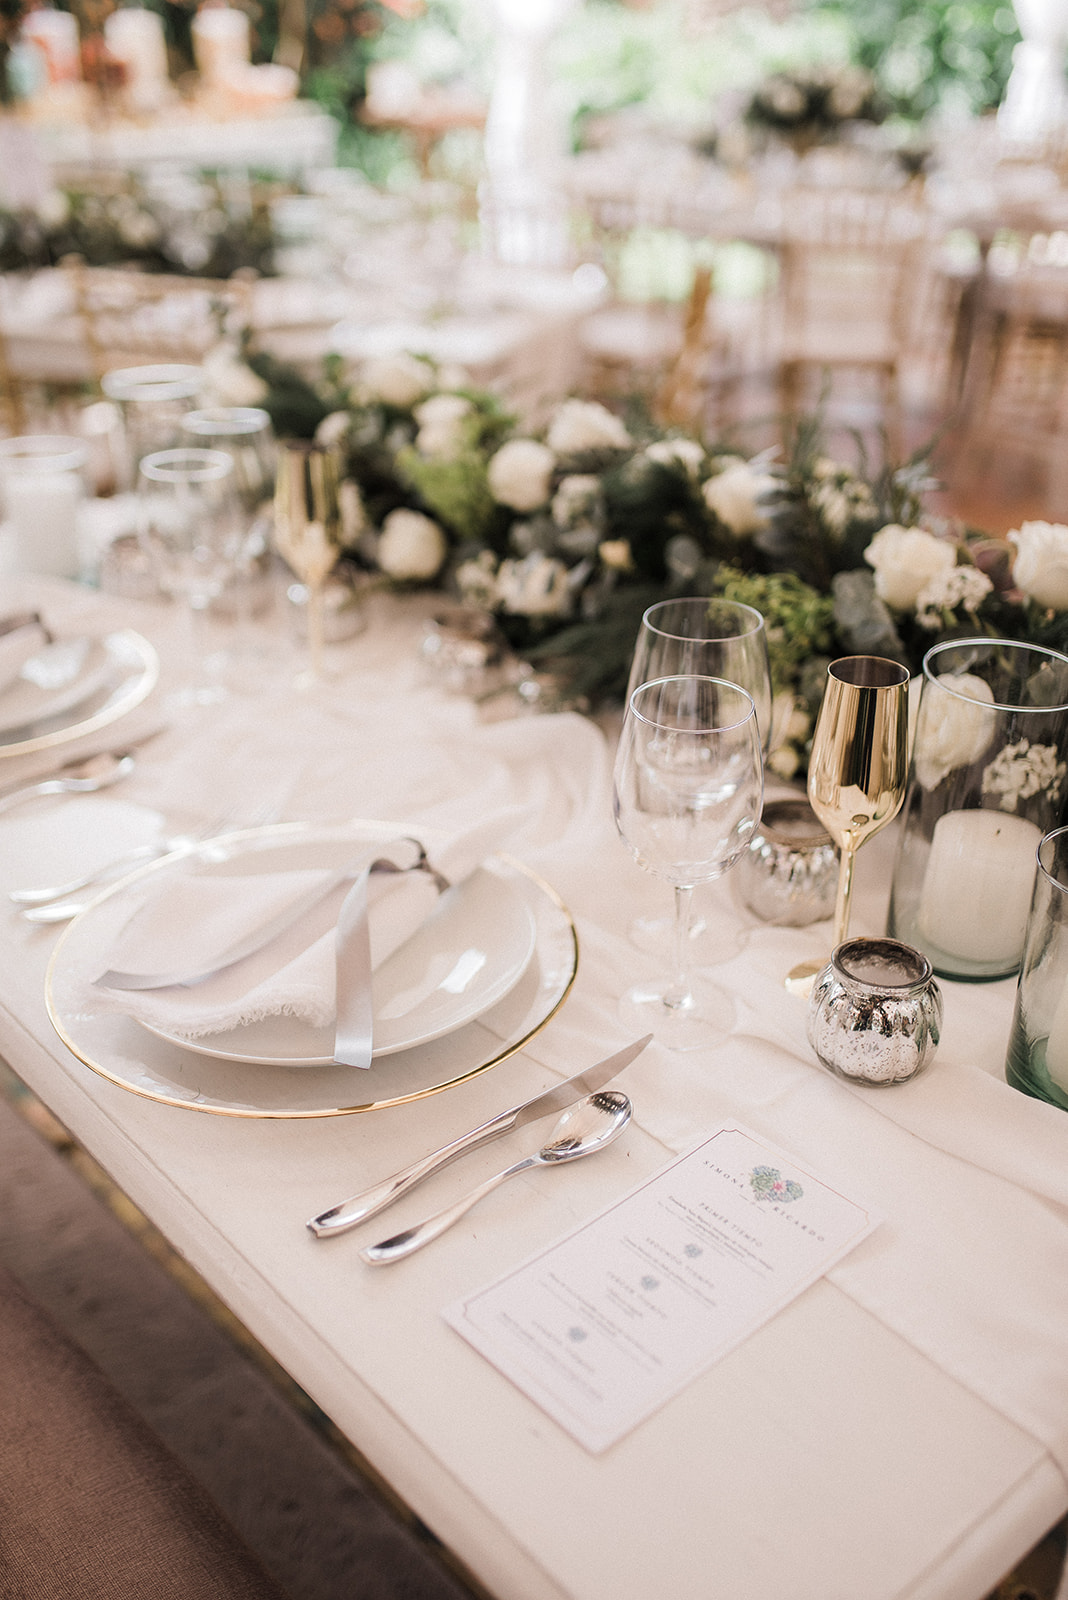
[603, 1328]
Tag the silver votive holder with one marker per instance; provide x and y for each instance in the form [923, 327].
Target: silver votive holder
[789, 873]
[875, 1012]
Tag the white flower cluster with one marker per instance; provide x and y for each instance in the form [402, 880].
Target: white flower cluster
[1041, 566]
[441, 425]
[1022, 770]
[412, 547]
[579, 426]
[839, 495]
[535, 585]
[948, 589]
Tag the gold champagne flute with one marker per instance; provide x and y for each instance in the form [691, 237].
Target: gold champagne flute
[307, 528]
[857, 769]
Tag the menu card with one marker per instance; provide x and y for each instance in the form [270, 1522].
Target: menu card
[601, 1329]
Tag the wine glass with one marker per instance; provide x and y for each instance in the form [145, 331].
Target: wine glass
[153, 401]
[687, 798]
[711, 637]
[246, 435]
[186, 521]
[856, 771]
[307, 530]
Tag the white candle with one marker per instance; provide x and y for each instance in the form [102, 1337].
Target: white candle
[55, 33]
[42, 510]
[135, 37]
[977, 888]
[220, 41]
[1057, 1044]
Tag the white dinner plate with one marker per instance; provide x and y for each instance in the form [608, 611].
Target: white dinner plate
[122, 669]
[168, 1070]
[56, 678]
[471, 950]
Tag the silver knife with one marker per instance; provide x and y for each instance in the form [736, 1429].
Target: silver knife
[375, 1199]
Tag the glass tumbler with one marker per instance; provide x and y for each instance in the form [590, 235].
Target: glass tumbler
[986, 781]
[1037, 1061]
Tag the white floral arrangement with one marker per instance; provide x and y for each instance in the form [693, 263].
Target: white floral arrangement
[565, 535]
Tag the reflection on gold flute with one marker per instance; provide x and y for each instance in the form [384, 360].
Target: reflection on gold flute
[858, 766]
[307, 526]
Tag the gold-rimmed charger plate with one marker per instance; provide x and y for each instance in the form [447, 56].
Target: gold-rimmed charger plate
[131, 675]
[119, 1049]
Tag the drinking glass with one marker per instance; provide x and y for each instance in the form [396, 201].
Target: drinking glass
[246, 435]
[856, 771]
[713, 638]
[707, 637]
[187, 523]
[687, 799]
[307, 530]
[153, 400]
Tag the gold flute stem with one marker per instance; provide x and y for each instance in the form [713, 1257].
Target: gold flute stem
[845, 893]
[315, 630]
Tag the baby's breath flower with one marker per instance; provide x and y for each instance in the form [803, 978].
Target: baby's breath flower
[946, 590]
[1022, 770]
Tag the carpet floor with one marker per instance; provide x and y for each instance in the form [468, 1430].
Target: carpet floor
[271, 1462]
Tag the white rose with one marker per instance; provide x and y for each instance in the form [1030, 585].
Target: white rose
[333, 429]
[412, 547]
[954, 728]
[1041, 565]
[905, 561]
[678, 452]
[536, 586]
[580, 425]
[228, 381]
[397, 380]
[440, 420]
[520, 474]
[733, 495]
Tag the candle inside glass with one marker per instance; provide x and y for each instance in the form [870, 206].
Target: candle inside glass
[977, 887]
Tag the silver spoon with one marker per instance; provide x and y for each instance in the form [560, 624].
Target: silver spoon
[83, 777]
[581, 1131]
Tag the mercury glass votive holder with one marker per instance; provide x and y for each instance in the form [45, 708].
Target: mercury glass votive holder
[788, 876]
[875, 1012]
[1037, 1061]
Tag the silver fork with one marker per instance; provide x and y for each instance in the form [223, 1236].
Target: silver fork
[42, 900]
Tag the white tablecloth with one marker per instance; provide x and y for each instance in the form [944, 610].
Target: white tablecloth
[901, 1430]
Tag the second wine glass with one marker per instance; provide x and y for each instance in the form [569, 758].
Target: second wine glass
[714, 638]
[687, 798]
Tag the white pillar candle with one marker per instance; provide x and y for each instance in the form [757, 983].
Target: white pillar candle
[1057, 1044]
[55, 33]
[977, 887]
[221, 42]
[135, 37]
[42, 511]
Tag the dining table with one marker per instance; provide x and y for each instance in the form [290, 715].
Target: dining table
[898, 1430]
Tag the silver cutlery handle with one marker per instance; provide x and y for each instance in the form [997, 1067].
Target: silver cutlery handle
[49, 786]
[403, 1244]
[369, 1202]
[59, 891]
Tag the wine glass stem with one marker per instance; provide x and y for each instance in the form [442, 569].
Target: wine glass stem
[845, 893]
[677, 994]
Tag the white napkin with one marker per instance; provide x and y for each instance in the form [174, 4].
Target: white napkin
[16, 648]
[196, 916]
